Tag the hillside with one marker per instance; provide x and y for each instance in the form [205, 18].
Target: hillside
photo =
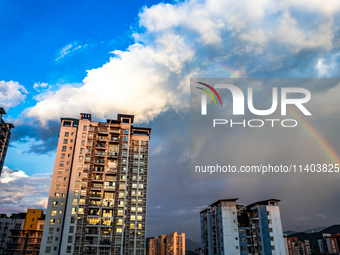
[313, 237]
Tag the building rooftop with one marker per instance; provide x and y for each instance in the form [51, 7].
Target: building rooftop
[224, 200]
[272, 201]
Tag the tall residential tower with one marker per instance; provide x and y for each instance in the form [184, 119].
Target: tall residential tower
[97, 201]
[228, 228]
[5, 135]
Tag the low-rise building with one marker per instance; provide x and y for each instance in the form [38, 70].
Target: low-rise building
[21, 233]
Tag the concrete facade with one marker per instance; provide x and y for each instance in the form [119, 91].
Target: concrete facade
[97, 202]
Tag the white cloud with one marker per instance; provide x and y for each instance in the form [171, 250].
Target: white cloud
[18, 191]
[11, 93]
[38, 85]
[11, 175]
[188, 39]
[322, 216]
[69, 48]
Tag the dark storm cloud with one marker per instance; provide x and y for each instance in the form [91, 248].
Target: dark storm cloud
[46, 137]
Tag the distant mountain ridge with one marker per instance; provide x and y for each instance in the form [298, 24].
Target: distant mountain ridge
[313, 237]
[191, 245]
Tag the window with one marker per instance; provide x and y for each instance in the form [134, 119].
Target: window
[65, 141]
[54, 213]
[63, 155]
[70, 238]
[133, 217]
[120, 222]
[59, 179]
[82, 142]
[139, 217]
[84, 128]
[76, 192]
[73, 219]
[270, 230]
[52, 221]
[64, 148]
[48, 249]
[272, 238]
[56, 195]
[66, 134]
[81, 151]
[269, 221]
[55, 204]
[235, 230]
[59, 221]
[75, 201]
[49, 239]
[268, 213]
[273, 248]
[60, 171]
[68, 249]
[84, 135]
[50, 230]
[74, 210]
[61, 163]
[119, 230]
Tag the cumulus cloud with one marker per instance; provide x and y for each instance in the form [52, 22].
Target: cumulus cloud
[18, 191]
[11, 93]
[194, 38]
[40, 85]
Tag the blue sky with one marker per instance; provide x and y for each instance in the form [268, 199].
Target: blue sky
[60, 58]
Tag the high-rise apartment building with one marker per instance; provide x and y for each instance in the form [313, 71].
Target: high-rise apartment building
[5, 135]
[97, 201]
[329, 244]
[228, 228]
[170, 244]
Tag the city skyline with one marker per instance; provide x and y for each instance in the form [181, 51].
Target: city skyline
[107, 58]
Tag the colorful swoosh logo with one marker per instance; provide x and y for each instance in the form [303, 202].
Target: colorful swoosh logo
[209, 93]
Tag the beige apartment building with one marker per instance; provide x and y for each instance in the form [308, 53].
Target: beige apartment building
[170, 244]
[97, 201]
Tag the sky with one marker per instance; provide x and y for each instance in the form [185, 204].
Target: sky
[60, 58]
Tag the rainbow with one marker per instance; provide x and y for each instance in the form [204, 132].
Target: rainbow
[312, 131]
[315, 134]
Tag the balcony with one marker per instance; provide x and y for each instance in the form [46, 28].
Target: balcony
[96, 186]
[109, 187]
[101, 146]
[112, 154]
[111, 170]
[103, 130]
[105, 241]
[114, 131]
[102, 138]
[100, 153]
[96, 195]
[94, 203]
[114, 139]
[99, 161]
